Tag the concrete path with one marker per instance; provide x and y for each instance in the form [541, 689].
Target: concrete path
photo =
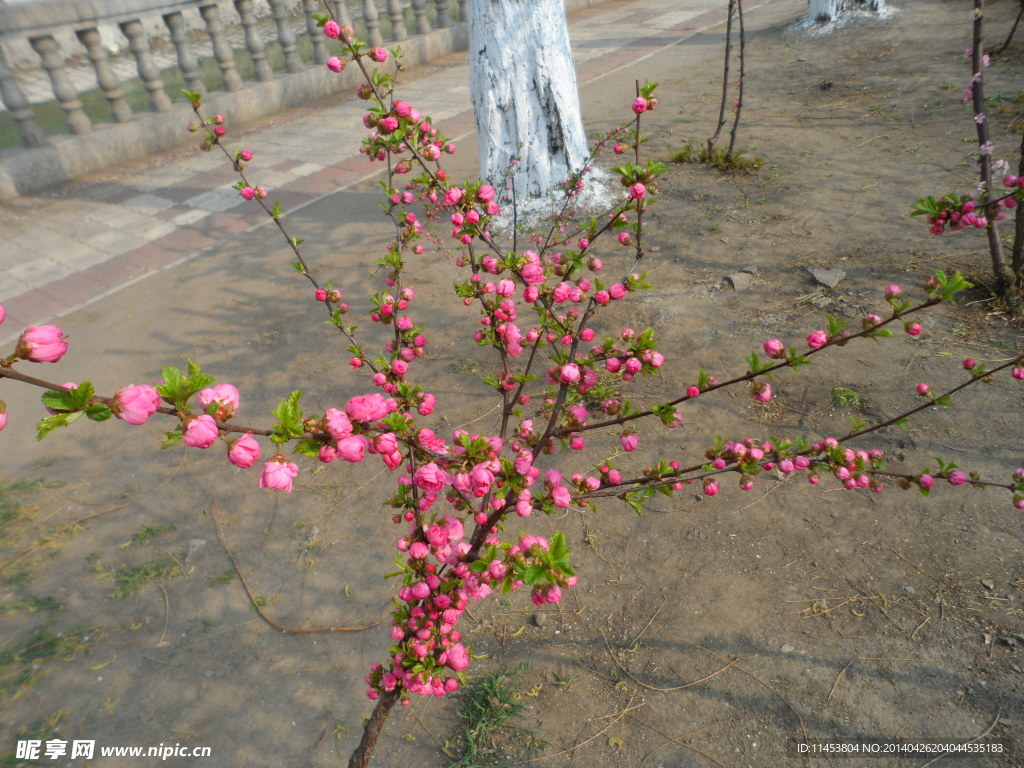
[90, 239]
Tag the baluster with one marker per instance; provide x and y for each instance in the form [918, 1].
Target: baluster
[222, 51]
[148, 70]
[397, 17]
[63, 88]
[370, 17]
[340, 10]
[18, 105]
[253, 41]
[186, 59]
[462, 10]
[316, 35]
[286, 36]
[105, 76]
[443, 20]
[419, 9]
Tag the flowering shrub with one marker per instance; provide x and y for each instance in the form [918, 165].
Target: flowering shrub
[454, 495]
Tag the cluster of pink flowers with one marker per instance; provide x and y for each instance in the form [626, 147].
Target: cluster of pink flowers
[959, 212]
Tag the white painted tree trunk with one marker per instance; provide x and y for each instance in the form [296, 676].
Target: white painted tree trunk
[523, 86]
[827, 10]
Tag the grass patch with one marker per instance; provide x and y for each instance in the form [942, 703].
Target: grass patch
[144, 534]
[31, 605]
[719, 158]
[844, 397]
[21, 664]
[131, 578]
[487, 737]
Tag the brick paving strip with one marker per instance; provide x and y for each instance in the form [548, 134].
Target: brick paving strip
[96, 238]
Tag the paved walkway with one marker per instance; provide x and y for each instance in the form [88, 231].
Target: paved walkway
[90, 239]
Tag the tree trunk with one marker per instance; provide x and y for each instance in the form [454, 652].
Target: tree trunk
[827, 10]
[525, 101]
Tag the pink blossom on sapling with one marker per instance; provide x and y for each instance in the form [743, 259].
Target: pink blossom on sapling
[42, 344]
[135, 404]
[244, 452]
[200, 432]
[278, 474]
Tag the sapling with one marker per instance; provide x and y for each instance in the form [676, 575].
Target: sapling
[455, 497]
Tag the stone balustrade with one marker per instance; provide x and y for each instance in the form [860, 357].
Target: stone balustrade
[206, 45]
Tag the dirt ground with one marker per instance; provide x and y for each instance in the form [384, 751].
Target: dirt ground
[704, 632]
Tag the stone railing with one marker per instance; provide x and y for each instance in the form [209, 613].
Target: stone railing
[227, 47]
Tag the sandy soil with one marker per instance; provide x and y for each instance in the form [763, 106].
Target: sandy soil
[705, 632]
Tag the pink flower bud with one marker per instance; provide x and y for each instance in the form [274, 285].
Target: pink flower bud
[893, 291]
[335, 64]
[774, 348]
[913, 329]
[135, 404]
[956, 477]
[926, 481]
[640, 105]
[379, 55]
[817, 340]
[42, 344]
[629, 441]
[278, 474]
[244, 452]
[245, 154]
[331, 29]
[200, 432]
[923, 389]
[637, 191]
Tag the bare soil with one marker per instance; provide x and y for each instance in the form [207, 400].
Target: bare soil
[704, 632]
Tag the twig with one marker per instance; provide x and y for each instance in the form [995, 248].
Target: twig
[29, 550]
[167, 616]
[682, 744]
[839, 677]
[255, 603]
[616, 716]
[979, 737]
[640, 682]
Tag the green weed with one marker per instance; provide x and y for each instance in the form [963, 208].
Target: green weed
[487, 707]
[131, 578]
[844, 397]
[719, 158]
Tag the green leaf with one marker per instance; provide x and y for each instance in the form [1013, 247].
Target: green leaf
[58, 400]
[50, 423]
[310, 448]
[99, 412]
[171, 388]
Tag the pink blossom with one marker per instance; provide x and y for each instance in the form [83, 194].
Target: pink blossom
[335, 64]
[561, 497]
[762, 392]
[278, 474]
[774, 348]
[637, 191]
[485, 193]
[452, 196]
[640, 105]
[244, 451]
[923, 389]
[956, 477]
[337, 424]
[569, 373]
[625, 238]
[926, 481]
[913, 329]
[331, 29]
[379, 55]
[893, 291]
[248, 193]
[351, 448]
[200, 432]
[817, 340]
[629, 441]
[135, 404]
[225, 396]
[457, 657]
[367, 407]
[3, 314]
[388, 124]
[246, 154]
[711, 488]
[42, 344]
[430, 477]
[1018, 373]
